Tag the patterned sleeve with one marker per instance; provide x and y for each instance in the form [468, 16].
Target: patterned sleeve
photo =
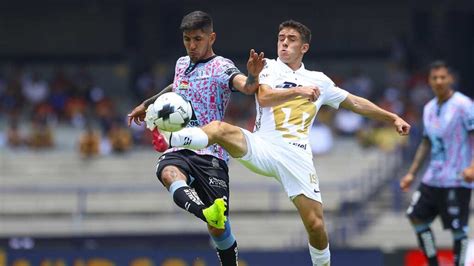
[468, 116]
[333, 95]
[227, 72]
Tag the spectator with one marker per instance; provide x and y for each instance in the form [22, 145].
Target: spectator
[89, 143]
[41, 135]
[76, 109]
[320, 138]
[14, 138]
[120, 137]
[35, 90]
[348, 123]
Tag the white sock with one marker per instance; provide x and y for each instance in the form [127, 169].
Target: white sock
[191, 137]
[320, 257]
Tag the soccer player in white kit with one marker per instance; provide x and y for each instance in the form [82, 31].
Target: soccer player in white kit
[288, 99]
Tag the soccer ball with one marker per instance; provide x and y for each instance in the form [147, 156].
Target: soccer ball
[169, 112]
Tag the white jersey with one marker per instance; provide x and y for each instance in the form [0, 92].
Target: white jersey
[292, 120]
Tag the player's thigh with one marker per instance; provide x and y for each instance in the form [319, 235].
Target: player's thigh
[424, 204]
[230, 137]
[261, 156]
[295, 170]
[311, 213]
[209, 176]
[454, 208]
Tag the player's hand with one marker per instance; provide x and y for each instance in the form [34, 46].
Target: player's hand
[311, 93]
[406, 181]
[402, 127]
[468, 174]
[255, 63]
[137, 115]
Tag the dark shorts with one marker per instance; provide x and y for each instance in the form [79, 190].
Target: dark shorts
[208, 175]
[452, 204]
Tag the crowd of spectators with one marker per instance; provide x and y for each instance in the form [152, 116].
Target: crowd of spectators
[32, 105]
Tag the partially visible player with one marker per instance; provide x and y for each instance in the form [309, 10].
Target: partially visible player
[445, 189]
[288, 100]
[199, 180]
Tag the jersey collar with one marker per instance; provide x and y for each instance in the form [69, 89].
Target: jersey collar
[192, 65]
[287, 69]
[203, 60]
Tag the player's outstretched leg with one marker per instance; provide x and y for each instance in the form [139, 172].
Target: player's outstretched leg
[460, 246]
[311, 213]
[426, 240]
[186, 198]
[226, 245]
[228, 136]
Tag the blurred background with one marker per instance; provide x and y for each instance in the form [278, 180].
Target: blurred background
[78, 187]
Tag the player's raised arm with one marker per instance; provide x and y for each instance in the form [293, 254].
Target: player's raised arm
[368, 109]
[267, 96]
[249, 84]
[138, 113]
[420, 156]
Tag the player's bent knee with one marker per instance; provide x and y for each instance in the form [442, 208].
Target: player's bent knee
[415, 221]
[170, 174]
[215, 231]
[315, 225]
[221, 129]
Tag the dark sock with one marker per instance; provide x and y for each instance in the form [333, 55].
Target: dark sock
[427, 244]
[229, 257]
[460, 249]
[188, 199]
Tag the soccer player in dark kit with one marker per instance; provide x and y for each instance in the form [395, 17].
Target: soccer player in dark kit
[199, 180]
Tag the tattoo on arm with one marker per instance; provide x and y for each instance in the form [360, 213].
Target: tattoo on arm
[152, 99]
[251, 80]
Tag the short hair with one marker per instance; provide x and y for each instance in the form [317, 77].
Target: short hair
[304, 31]
[437, 65]
[197, 20]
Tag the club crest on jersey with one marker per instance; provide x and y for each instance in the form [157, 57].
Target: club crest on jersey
[287, 84]
[183, 85]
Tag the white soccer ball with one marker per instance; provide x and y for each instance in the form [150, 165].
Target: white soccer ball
[170, 112]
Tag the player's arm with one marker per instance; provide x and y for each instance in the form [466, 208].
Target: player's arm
[368, 109]
[421, 152]
[468, 121]
[267, 96]
[249, 85]
[468, 173]
[138, 113]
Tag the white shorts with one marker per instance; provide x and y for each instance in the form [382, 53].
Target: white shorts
[288, 164]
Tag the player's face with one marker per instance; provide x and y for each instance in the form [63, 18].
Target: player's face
[290, 46]
[198, 44]
[440, 81]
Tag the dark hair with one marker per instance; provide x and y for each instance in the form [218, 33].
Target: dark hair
[437, 65]
[304, 31]
[197, 20]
